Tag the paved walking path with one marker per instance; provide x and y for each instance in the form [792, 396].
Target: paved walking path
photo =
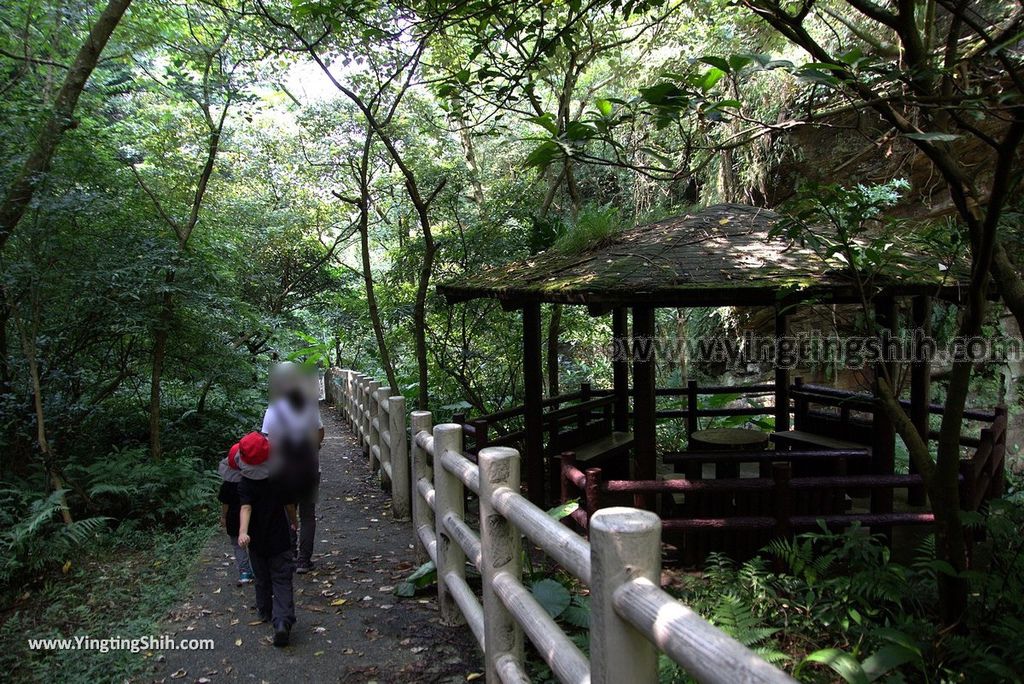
[351, 627]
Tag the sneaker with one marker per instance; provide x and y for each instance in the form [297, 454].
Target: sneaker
[282, 631]
[303, 567]
[263, 617]
[245, 578]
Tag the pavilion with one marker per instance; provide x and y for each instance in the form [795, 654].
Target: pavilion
[724, 255]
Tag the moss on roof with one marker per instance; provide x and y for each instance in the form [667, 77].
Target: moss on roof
[721, 255]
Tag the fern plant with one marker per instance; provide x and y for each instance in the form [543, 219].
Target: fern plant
[737, 618]
[38, 540]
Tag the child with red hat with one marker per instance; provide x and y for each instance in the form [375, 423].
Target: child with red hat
[230, 511]
[265, 532]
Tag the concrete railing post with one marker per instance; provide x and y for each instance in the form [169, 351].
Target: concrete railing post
[625, 544]
[383, 438]
[364, 412]
[501, 552]
[372, 432]
[346, 383]
[449, 500]
[399, 455]
[359, 417]
[422, 513]
[367, 400]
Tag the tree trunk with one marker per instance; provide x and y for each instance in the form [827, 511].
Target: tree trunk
[22, 188]
[420, 311]
[29, 349]
[160, 335]
[363, 204]
[469, 150]
[1011, 286]
[371, 305]
[554, 330]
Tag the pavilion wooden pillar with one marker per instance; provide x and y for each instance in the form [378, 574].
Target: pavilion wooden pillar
[620, 368]
[644, 429]
[883, 447]
[781, 373]
[920, 382]
[533, 410]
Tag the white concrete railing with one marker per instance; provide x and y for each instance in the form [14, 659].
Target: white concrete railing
[631, 619]
[379, 423]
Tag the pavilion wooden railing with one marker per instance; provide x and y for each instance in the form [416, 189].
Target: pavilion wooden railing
[853, 410]
[849, 415]
[780, 503]
[631, 619]
[504, 428]
[750, 511]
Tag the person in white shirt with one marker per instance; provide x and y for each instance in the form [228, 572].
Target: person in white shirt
[295, 429]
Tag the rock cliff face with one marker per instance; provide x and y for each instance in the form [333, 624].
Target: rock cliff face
[859, 147]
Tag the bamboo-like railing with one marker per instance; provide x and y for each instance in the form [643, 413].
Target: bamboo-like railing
[632, 618]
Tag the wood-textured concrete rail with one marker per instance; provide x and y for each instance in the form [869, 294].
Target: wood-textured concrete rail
[632, 618]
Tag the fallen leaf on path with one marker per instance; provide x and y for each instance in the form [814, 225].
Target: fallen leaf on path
[339, 602]
[473, 676]
[238, 642]
[179, 674]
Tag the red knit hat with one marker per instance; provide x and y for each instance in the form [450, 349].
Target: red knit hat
[254, 448]
[233, 456]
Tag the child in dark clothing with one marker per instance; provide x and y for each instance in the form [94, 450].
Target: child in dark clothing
[230, 509]
[265, 531]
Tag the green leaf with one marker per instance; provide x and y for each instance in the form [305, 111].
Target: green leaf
[564, 510]
[577, 130]
[552, 596]
[659, 93]
[710, 78]
[841, 662]
[887, 659]
[543, 155]
[605, 107]
[578, 612]
[737, 62]
[425, 575]
[545, 121]
[719, 63]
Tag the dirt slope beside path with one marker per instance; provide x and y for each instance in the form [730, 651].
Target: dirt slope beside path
[361, 553]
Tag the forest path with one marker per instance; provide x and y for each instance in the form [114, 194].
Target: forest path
[361, 553]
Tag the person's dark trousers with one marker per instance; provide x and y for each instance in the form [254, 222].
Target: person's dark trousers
[274, 596]
[307, 524]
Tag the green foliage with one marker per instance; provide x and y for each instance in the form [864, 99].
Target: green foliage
[34, 540]
[424, 576]
[552, 596]
[591, 228]
[900, 651]
[123, 582]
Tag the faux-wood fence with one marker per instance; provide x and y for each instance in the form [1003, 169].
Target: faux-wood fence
[632, 618]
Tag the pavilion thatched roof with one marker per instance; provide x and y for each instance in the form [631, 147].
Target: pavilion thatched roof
[719, 256]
